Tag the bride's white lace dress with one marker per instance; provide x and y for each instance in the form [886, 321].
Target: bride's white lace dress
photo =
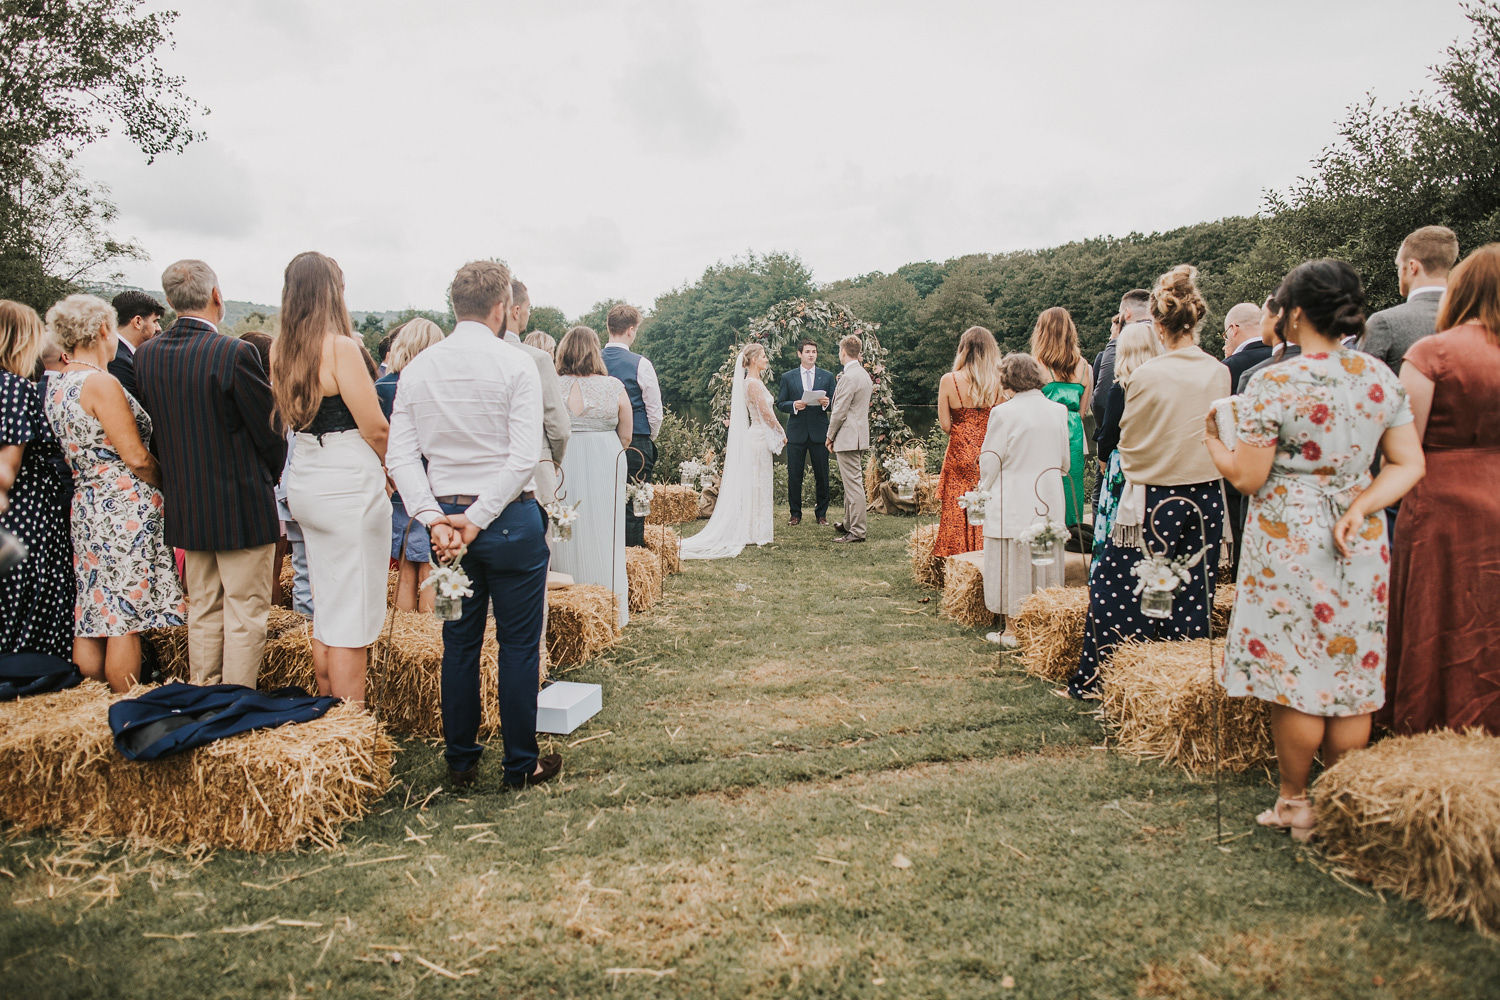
[743, 513]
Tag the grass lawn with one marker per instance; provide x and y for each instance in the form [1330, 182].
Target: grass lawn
[803, 783]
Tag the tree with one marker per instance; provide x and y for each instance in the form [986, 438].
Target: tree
[550, 320]
[595, 317]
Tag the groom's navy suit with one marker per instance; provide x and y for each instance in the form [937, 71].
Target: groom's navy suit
[806, 435]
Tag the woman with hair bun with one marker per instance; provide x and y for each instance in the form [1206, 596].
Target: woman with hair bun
[1445, 573]
[1165, 463]
[1308, 633]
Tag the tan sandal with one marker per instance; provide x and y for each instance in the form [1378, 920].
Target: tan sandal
[1295, 815]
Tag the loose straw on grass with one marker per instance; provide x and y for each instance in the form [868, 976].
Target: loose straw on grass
[1163, 700]
[1420, 815]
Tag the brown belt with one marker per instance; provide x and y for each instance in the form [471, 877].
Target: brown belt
[464, 499]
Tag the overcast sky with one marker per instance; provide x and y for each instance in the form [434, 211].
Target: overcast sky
[616, 150]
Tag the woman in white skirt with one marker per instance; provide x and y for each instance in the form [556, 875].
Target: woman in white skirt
[335, 482]
[1021, 465]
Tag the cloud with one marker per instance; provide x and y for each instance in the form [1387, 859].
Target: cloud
[671, 92]
[206, 191]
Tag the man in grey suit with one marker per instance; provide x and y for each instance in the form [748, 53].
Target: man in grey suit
[557, 424]
[849, 436]
[1423, 263]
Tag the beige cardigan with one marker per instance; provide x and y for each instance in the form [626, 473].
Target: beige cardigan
[1161, 433]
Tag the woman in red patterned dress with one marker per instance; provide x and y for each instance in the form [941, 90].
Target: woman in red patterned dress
[965, 396]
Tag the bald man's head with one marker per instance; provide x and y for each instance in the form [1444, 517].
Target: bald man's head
[1241, 323]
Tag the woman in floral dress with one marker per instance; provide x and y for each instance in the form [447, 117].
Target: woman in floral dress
[127, 578]
[1308, 633]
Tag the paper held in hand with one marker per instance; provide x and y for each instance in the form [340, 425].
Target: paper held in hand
[1225, 416]
[815, 397]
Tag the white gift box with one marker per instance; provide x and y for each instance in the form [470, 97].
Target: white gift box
[563, 706]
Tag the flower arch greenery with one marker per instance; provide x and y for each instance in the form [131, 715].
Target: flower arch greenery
[826, 322]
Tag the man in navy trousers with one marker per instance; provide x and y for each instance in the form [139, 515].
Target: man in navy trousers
[806, 429]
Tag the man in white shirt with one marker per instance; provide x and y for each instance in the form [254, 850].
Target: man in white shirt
[471, 406]
[639, 379]
[1422, 266]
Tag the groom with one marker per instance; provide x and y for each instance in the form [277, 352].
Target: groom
[806, 429]
[849, 436]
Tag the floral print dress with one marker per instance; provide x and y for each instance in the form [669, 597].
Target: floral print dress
[1309, 626]
[127, 576]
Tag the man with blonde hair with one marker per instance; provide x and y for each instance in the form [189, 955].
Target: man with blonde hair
[210, 407]
[466, 430]
[849, 436]
[1422, 266]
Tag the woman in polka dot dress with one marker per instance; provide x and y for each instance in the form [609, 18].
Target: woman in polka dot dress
[36, 596]
[1308, 633]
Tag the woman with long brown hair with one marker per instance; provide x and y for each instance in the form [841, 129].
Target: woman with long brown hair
[965, 396]
[1444, 666]
[1054, 345]
[335, 479]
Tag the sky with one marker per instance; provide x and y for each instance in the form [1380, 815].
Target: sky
[616, 150]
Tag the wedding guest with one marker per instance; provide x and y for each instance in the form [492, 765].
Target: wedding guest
[1308, 630]
[639, 379]
[1024, 459]
[593, 475]
[555, 417]
[849, 437]
[965, 396]
[543, 341]
[53, 361]
[411, 548]
[126, 573]
[1271, 336]
[1165, 462]
[1134, 308]
[36, 595]
[336, 481]
[1422, 265]
[1243, 350]
[139, 320]
[472, 408]
[383, 348]
[1444, 666]
[210, 406]
[1054, 345]
[806, 430]
[1137, 344]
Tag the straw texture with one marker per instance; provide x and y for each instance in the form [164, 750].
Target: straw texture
[673, 504]
[667, 544]
[963, 592]
[926, 568]
[643, 578]
[581, 623]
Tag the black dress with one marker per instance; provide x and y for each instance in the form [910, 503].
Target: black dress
[36, 597]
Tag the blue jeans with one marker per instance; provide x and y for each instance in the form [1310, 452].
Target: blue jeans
[507, 567]
[302, 601]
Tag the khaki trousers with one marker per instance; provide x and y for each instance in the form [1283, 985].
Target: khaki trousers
[852, 472]
[229, 596]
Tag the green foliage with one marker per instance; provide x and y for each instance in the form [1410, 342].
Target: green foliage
[548, 319]
[678, 440]
[691, 329]
[1433, 159]
[372, 332]
[595, 317]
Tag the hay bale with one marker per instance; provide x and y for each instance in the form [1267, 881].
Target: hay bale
[673, 504]
[667, 544]
[1223, 606]
[926, 568]
[963, 591]
[1049, 631]
[582, 621]
[288, 659]
[403, 685]
[266, 790]
[643, 578]
[168, 647]
[1162, 700]
[1420, 815]
[929, 503]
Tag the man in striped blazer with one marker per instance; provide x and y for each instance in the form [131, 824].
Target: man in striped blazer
[210, 404]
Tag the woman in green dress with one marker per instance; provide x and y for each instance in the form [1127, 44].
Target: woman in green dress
[1054, 344]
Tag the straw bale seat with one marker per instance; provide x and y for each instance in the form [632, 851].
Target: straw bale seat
[926, 568]
[1163, 700]
[963, 591]
[643, 578]
[673, 504]
[1049, 631]
[582, 622]
[667, 544]
[265, 790]
[1420, 815]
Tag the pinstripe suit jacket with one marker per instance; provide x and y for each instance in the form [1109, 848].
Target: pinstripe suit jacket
[210, 405]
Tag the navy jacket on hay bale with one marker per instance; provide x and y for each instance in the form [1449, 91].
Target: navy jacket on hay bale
[23, 674]
[177, 717]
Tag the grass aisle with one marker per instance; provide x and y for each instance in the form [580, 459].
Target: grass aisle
[803, 783]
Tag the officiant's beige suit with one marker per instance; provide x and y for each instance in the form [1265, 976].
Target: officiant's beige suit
[849, 430]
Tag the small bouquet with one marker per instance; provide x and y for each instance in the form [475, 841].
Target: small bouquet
[692, 471]
[450, 585]
[1044, 537]
[562, 516]
[709, 476]
[1158, 579]
[639, 495]
[902, 476]
[974, 504]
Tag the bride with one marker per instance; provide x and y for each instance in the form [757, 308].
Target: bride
[742, 515]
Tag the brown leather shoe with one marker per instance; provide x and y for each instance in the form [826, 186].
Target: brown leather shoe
[462, 779]
[822, 520]
[548, 768]
[839, 527]
[848, 538]
[794, 519]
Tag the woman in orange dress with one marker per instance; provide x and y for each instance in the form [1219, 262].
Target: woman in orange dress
[965, 396]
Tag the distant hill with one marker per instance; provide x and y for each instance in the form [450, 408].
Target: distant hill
[234, 309]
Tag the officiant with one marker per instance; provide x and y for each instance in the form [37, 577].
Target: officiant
[806, 393]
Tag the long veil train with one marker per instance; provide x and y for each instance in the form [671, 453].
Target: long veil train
[728, 529]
